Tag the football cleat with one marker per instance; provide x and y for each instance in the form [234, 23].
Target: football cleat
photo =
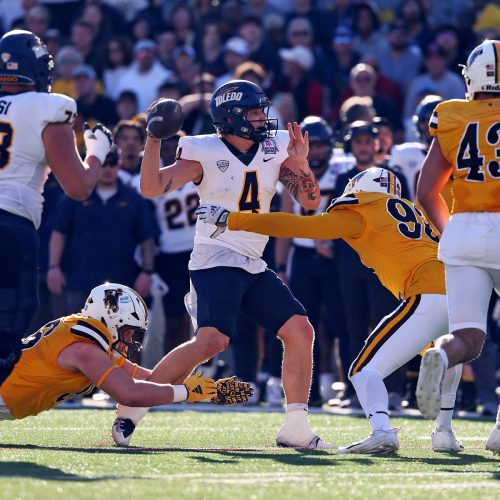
[429, 383]
[316, 443]
[377, 443]
[493, 443]
[444, 440]
[122, 431]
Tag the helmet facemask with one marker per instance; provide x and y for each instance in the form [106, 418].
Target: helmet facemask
[132, 346]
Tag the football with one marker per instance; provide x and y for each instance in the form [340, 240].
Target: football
[164, 118]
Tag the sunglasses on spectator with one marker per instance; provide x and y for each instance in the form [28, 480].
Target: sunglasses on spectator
[300, 33]
[110, 164]
[364, 79]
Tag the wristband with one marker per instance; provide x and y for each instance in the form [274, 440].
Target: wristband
[180, 393]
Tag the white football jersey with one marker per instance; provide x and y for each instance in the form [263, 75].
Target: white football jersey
[409, 157]
[175, 213]
[238, 187]
[326, 187]
[23, 166]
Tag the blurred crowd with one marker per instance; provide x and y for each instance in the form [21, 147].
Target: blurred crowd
[342, 60]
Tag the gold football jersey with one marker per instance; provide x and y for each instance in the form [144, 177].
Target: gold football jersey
[469, 136]
[390, 234]
[37, 382]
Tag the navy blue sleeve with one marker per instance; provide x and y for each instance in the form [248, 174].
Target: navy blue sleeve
[146, 225]
[63, 215]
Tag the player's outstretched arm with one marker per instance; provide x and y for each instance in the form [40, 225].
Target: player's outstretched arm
[77, 178]
[435, 174]
[331, 225]
[295, 173]
[94, 363]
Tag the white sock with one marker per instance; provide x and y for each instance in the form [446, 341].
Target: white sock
[373, 397]
[136, 414]
[498, 418]
[325, 385]
[296, 423]
[445, 357]
[449, 393]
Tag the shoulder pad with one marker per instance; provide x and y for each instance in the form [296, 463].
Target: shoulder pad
[93, 330]
[62, 108]
[348, 199]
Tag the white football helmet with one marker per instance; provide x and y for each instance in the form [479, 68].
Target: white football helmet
[374, 180]
[118, 307]
[482, 71]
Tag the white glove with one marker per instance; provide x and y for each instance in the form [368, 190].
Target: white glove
[158, 287]
[98, 141]
[213, 214]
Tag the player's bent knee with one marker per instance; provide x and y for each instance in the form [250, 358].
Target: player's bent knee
[211, 341]
[297, 330]
[473, 339]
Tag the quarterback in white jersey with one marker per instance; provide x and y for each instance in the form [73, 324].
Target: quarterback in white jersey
[35, 134]
[240, 166]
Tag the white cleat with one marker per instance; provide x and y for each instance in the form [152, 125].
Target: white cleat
[493, 443]
[444, 440]
[377, 443]
[430, 378]
[312, 442]
[122, 431]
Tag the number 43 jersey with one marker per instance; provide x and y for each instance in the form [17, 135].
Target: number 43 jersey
[23, 166]
[229, 182]
[469, 136]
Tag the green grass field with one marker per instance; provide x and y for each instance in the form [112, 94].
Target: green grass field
[69, 453]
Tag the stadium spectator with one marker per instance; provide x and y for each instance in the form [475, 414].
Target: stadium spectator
[126, 105]
[145, 74]
[401, 61]
[186, 67]
[236, 51]
[66, 61]
[82, 37]
[82, 255]
[182, 21]
[129, 136]
[167, 42]
[210, 49]
[296, 78]
[385, 140]
[437, 80]
[448, 38]
[413, 14]
[117, 59]
[369, 39]
[37, 20]
[318, 19]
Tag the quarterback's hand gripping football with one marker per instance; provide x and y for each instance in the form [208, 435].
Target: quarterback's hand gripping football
[213, 214]
[98, 141]
[231, 391]
[199, 388]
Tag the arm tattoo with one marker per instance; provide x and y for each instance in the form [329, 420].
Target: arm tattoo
[290, 180]
[168, 186]
[308, 185]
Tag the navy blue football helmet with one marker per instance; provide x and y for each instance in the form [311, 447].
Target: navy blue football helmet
[319, 132]
[423, 114]
[229, 106]
[25, 60]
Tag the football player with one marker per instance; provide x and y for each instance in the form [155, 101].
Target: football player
[466, 146]
[393, 238]
[74, 354]
[36, 133]
[240, 166]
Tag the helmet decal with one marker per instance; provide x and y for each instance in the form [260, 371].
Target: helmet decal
[111, 299]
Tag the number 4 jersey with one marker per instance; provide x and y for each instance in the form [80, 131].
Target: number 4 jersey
[235, 185]
[23, 166]
[469, 136]
[390, 235]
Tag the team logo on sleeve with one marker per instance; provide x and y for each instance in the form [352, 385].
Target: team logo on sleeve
[269, 146]
[222, 165]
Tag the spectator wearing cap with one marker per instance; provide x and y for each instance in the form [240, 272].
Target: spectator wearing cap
[300, 31]
[144, 74]
[401, 61]
[66, 61]
[261, 49]
[438, 79]
[235, 52]
[53, 40]
[117, 59]
[94, 240]
[186, 67]
[92, 107]
[37, 20]
[297, 79]
[368, 38]
[343, 59]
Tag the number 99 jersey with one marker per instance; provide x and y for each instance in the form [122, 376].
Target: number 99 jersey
[23, 165]
[235, 185]
[469, 136]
